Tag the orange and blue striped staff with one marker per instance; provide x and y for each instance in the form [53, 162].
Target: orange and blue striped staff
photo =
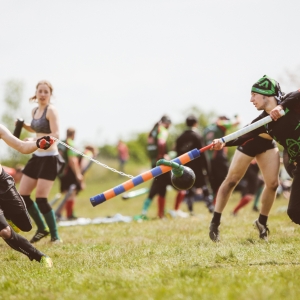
[159, 170]
[181, 160]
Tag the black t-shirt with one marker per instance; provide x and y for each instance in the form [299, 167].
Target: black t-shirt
[187, 141]
[286, 130]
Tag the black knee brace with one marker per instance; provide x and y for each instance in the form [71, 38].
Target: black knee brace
[27, 201]
[43, 205]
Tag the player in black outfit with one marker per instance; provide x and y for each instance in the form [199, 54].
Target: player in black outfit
[189, 140]
[284, 129]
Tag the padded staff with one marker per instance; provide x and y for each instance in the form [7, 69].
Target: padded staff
[183, 159]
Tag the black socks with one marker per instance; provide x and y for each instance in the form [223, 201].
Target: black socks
[216, 218]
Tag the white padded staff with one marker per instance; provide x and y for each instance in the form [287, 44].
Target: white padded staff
[248, 128]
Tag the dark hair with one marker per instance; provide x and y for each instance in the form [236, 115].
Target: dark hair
[191, 120]
[165, 119]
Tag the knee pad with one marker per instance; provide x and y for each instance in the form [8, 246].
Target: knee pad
[43, 205]
[294, 215]
[27, 201]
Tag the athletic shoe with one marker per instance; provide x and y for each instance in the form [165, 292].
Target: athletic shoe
[181, 214]
[46, 262]
[255, 208]
[39, 235]
[214, 232]
[13, 226]
[262, 229]
[56, 241]
[171, 214]
[140, 218]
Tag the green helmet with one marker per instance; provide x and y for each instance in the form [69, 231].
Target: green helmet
[266, 86]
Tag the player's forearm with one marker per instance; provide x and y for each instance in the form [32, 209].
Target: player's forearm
[27, 127]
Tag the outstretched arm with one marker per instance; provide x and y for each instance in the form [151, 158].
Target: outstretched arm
[24, 147]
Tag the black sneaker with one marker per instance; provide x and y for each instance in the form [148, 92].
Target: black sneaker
[39, 235]
[214, 232]
[255, 208]
[262, 229]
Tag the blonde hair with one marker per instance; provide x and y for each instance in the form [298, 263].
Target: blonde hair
[33, 98]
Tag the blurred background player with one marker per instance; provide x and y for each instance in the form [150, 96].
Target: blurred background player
[218, 159]
[157, 149]
[15, 173]
[187, 141]
[75, 167]
[123, 154]
[250, 187]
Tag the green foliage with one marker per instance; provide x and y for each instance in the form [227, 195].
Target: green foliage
[13, 93]
[12, 97]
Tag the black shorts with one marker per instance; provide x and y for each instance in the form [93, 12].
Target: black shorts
[42, 167]
[67, 180]
[256, 146]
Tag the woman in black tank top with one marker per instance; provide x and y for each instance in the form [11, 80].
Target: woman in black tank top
[41, 170]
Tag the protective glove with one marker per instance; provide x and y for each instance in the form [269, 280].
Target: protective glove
[44, 142]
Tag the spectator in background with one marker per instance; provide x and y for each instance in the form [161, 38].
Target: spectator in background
[218, 159]
[123, 154]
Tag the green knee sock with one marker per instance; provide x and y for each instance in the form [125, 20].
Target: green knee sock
[257, 196]
[37, 217]
[51, 222]
[146, 206]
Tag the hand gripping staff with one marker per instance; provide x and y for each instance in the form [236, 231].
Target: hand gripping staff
[181, 160]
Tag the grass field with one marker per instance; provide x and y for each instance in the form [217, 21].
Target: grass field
[158, 259]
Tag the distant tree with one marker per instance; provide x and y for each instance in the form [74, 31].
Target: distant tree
[13, 93]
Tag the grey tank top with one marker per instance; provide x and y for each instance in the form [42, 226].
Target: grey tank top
[41, 125]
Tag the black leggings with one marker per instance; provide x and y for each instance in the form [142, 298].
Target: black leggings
[294, 203]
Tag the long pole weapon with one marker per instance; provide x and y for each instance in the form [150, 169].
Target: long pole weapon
[181, 160]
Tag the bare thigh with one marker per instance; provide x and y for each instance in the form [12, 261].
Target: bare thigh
[238, 167]
[43, 188]
[269, 164]
[27, 185]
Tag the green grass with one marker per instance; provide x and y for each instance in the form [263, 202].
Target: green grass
[158, 259]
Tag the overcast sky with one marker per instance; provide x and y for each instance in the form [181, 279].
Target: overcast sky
[118, 66]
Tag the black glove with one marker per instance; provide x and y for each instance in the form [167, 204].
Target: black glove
[44, 142]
